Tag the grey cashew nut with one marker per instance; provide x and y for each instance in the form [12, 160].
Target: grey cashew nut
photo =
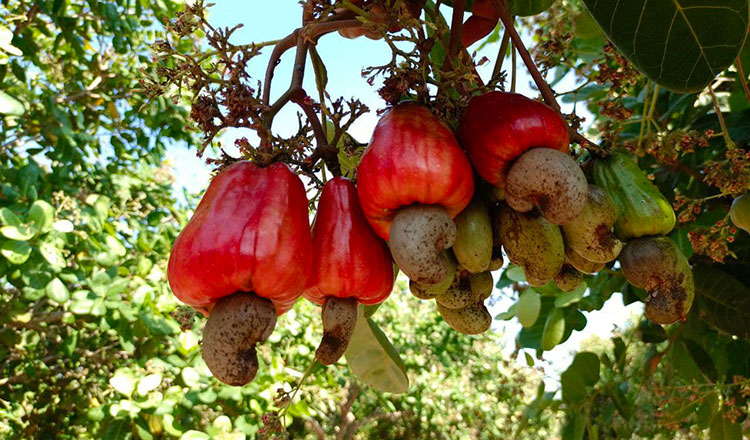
[236, 324]
[550, 180]
[339, 319]
[419, 235]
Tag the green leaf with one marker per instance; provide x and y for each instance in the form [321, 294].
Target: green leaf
[123, 381]
[56, 291]
[567, 298]
[723, 429]
[148, 383]
[651, 333]
[42, 214]
[680, 45]
[10, 105]
[114, 246]
[63, 226]
[575, 426]
[6, 36]
[195, 435]
[52, 254]
[581, 374]
[118, 429]
[527, 308]
[9, 218]
[554, 329]
[190, 377]
[525, 8]
[373, 359]
[17, 252]
[321, 74]
[515, 273]
[371, 309]
[20, 233]
[723, 300]
[159, 326]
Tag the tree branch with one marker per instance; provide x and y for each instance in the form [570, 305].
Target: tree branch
[311, 31]
[547, 93]
[457, 23]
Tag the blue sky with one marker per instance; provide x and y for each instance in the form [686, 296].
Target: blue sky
[344, 60]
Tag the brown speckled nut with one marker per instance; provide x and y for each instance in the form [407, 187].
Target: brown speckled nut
[471, 320]
[418, 236]
[550, 180]
[657, 265]
[591, 234]
[339, 319]
[236, 324]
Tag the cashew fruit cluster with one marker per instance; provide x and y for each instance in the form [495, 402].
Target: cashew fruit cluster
[249, 252]
[556, 225]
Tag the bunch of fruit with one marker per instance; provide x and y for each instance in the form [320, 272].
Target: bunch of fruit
[249, 253]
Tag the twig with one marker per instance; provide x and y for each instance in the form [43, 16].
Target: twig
[457, 23]
[501, 54]
[743, 78]
[312, 32]
[514, 67]
[547, 93]
[643, 115]
[722, 122]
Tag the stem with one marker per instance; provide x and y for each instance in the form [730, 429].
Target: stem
[282, 412]
[654, 100]
[547, 93]
[310, 32]
[514, 67]
[501, 54]
[457, 23]
[643, 115]
[722, 122]
[743, 78]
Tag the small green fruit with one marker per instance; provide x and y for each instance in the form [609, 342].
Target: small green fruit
[531, 242]
[641, 209]
[591, 233]
[481, 285]
[473, 245]
[459, 294]
[580, 263]
[740, 212]
[430, 291]
[657, 265]
[569, 278]
[470, 320]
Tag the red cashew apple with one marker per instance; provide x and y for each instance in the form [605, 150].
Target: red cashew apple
[351, 265]
[245, 257]
[518, 145]
[413, 180]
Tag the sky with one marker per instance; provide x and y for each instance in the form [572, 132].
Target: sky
[344, 59]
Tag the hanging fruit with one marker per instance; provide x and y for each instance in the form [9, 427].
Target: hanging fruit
[740, 212]
[641, 209]
[531, 242]
[657, 265]
[583, 265]
[413, 180]
[518, 145]
[591, 233]
[473, 246]
[351, 266]
[243, 258]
